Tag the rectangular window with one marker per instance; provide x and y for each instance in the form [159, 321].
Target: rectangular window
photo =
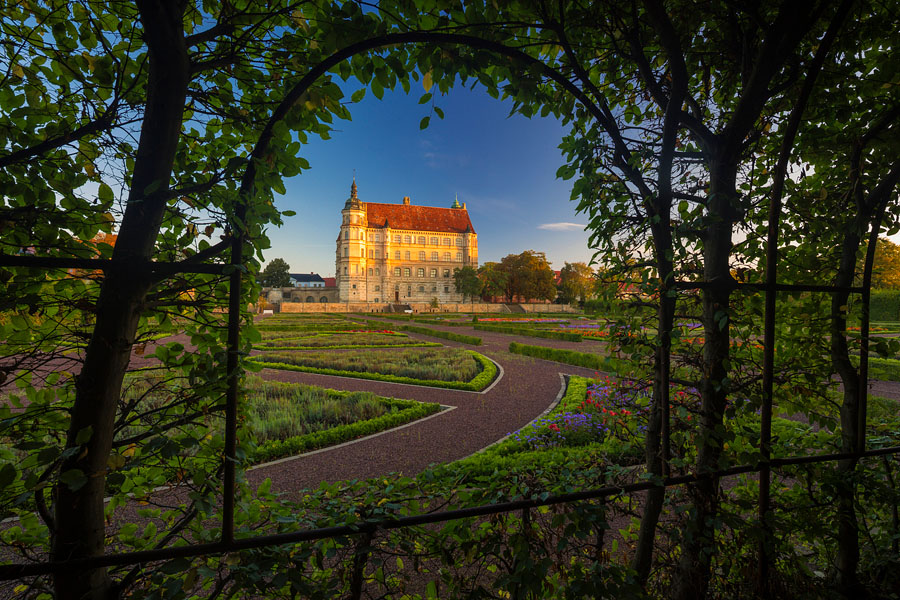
[378, 254]
[396, 272]
[422, 255]
[406, 271]
[377, 272]
[421, 288]
[434, 288]
[459, 241]
[420, 272]
[407, 239]
[446, 241]
[354, 286]
[421, 240]
[459, 257]
[396, 239]
[446, 273]
[397, 255]
[406, 255]
[446, 289]
[434, 272]
[434, 241]
[377, 237]
[346, 251]
[377, 289]
[446, 257]
[370, 272]
[371, 253]
[434, 256]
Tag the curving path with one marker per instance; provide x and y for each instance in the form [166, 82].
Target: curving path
[526, 388]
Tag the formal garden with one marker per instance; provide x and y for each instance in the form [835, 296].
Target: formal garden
[720, 422]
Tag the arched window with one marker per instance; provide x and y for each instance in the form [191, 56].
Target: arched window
[377, 272]
[434, 241]
[459, 241]
[346, 235]
[446, 241]
[407, 239]
[420, 272]
[406, 255]
[396, 271]
[406, 271]
[323, 299]
[459, 257]
[434, 256]
[421, 288]
[370, 272]
[310, 299]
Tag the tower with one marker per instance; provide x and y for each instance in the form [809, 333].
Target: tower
[350, 262]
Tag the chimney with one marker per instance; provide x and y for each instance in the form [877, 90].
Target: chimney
[464, 206]
[406, 200]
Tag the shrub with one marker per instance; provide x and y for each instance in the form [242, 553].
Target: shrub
[538, 333]
[446, 335]
[884, 305]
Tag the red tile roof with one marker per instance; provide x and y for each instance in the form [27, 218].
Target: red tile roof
[419, 218]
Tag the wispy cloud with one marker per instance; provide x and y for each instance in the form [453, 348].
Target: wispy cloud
[562, 226]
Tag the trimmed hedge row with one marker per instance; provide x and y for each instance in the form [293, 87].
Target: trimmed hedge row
[349, 346]
[478, 383]
[538, 333]
[447, 335]
[570, 357]
[410, 411]
[884, 305]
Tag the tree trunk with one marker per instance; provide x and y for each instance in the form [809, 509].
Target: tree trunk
[693, 573]
[79, 521]
[847, 557]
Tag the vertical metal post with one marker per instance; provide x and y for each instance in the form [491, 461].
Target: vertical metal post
[231, 395]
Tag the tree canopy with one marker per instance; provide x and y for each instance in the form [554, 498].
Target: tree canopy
[276, 274]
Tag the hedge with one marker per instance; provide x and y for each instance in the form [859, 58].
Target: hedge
[538, 333]
[478, 383]
[570, 357]
[349, 346]
[447, 335]
[410, 411]
[884, 305]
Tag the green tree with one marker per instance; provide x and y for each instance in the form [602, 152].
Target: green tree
[528, 276]
[493, 279]
[577, 282]
[886, 270]
[467, 282]
[276, 274]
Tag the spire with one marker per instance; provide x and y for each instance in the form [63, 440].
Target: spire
[353, 200]
[456, 202]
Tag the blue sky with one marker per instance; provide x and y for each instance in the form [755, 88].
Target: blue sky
[503, 168]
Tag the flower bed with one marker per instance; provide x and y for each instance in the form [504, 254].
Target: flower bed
[343, 340]
[451, 368]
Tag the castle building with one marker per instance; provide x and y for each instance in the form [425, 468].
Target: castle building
[402, 252]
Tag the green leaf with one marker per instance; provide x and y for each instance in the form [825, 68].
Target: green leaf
[424, 122]
[73, 478]
[105, 193]
[358, 95]
[7, 475]
[84, 434]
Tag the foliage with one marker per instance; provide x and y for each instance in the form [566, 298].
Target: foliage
[446, 335]
[528, 276]
[884, 305]
[452, 376]
[276, 274]
[886, 268]
[467, 283]
[493, 279]
[538, 333]
[577, 282]
[348, 339]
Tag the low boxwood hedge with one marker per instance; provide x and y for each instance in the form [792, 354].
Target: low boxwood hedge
[410, 410]
[538, 333]
[478, 383]
[351, 346]
[570, 357]
[446, 335]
